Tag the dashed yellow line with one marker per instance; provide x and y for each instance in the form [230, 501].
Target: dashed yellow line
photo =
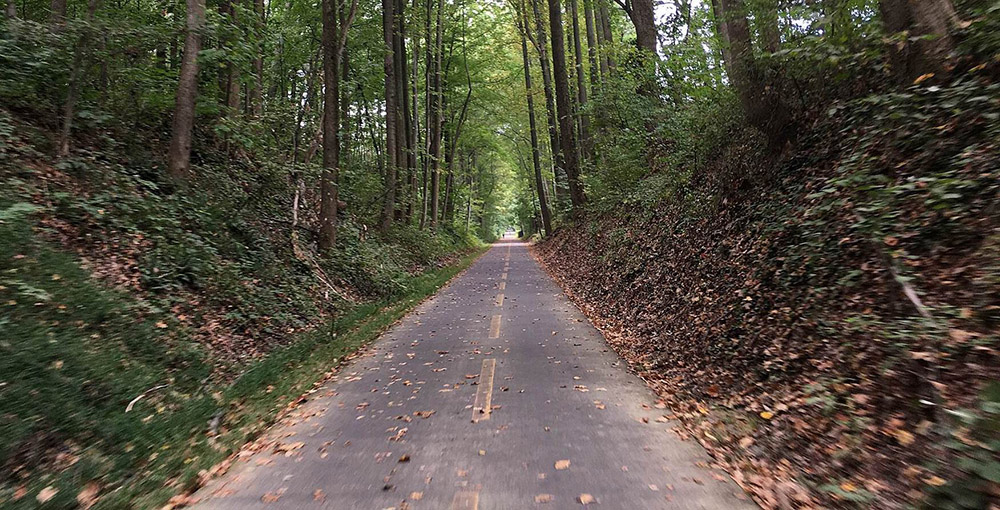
[504, 276]
[500, 299]
[465, 501]
[503, 285]
[495, 327]
[483, 406]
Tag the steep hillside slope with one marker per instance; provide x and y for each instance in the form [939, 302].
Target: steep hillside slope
[826, 322]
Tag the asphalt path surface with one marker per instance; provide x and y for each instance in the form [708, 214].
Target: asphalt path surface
[494, 394]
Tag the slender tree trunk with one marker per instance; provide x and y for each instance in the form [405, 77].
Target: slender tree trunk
[435, 153]
[428, 112]
[256, 91]
[768, 21]
[179, 155]
[402, 112]
[541, 45]
[414, 125]
[231, 79]
[581, 85]
[763, 106]
[588, 15]
[391, 103]
[536, 157]
[567, 135]
[57, 14]
[79, 58]
[605, 28]
[11, 9]
[331, 125]
[929, 41]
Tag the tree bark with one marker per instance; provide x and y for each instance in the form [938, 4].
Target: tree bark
[536, 158]
[541, 45]
[605, 28]
[57, 14]
[581, 84]
[761, 103]
[435, 145]
[11, 9]
[79, 58]
[179, 155]
[231, 79]
[391, 103]
[257, 88]
[928, 42]
[334, 40]
[567, 135]
[588, 15]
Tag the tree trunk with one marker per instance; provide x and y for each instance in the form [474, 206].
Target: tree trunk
[605, 28]
[391, 103]
[644, 22]
[179, 155]
[581, 85]
[435, 145]
[11, 9]
[414, 125]
[588, 15]
[762, 104]
[257, 89]
[541, 45]
[928, 43]
[79, 57]
[567, 135]
[57, 14]
[536, 158]
[770, 31]
[231, 78]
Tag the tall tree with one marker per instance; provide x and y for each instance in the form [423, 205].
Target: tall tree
[761, 103]
[11, 9]
[437, 120]
[640, 12]
[179, 155]
[230, 81]
[335, 28]
[536, 157]
[72, 90]
[567, 135]
[588, 15]
[391, 110]
[924, 29]
[581, 85]
[541, 44]
[256, 96]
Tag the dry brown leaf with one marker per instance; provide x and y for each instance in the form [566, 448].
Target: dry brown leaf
[585, 499]
[562, 464]
[88, 496]
[46, 494]
[543, 498]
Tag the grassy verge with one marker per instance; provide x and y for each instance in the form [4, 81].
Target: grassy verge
[74, 354]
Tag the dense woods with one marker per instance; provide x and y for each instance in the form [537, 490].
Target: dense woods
[782, 213]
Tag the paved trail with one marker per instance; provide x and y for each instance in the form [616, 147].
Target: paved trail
[474, 401]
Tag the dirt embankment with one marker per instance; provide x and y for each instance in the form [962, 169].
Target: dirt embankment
[822, 364]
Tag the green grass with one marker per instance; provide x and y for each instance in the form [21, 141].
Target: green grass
[74, 353]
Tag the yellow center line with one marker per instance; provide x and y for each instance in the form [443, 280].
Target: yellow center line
[504, 276]
[484, 394]
[500, 299]
[465, 501]
[503, 285]
[495, 327]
